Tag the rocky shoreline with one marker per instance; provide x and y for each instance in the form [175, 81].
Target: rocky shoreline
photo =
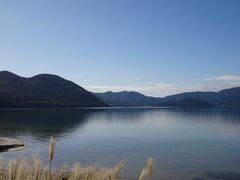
[9, 144]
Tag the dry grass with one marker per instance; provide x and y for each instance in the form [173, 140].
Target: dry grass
[33, 169]
[146, 173]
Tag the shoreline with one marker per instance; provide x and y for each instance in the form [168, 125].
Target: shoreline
[11, 145]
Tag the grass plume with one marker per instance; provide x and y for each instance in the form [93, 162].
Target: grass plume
[146, 173]
[143, 174]
[33, 169]
[51, 152]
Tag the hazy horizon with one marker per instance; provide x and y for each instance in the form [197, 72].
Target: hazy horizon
[122, 89]
[157, 48]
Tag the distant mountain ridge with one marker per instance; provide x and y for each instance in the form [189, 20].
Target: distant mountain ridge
[44, 90]
[127, 99]
[226, 97]
[52, 91]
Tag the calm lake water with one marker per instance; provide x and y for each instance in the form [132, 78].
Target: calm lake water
[185, 143]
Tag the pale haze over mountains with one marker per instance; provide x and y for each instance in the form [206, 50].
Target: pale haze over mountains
[164, 89]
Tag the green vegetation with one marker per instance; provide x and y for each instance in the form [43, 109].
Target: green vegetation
[33, 169]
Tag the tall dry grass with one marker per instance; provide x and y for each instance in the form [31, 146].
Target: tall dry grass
[33, 169]
[146, 173]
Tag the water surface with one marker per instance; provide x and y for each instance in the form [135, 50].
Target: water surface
[185, 143]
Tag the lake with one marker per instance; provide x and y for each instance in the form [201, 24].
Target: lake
[185, 143]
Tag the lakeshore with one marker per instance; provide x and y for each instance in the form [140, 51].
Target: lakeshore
[9, 144]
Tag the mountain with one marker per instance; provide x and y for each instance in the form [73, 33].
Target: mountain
[44, 90]
[227, 97]
[127, 99]
[186, 102]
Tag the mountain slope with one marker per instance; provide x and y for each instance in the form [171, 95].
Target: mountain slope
[43, 90]
[187, 102]
[227, 97]
[126, 99]
[46, 90]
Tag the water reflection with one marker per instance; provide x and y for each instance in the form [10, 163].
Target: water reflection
[186, 143]
[43, 124]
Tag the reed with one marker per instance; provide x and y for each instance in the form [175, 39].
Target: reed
[150, 164]
[146, 173]
[51, 154]
[143, 174]
[37, 167]
[34, 169]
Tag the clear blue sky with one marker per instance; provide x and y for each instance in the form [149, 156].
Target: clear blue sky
[155, 47]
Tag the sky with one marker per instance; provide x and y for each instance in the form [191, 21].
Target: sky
[155, 47]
